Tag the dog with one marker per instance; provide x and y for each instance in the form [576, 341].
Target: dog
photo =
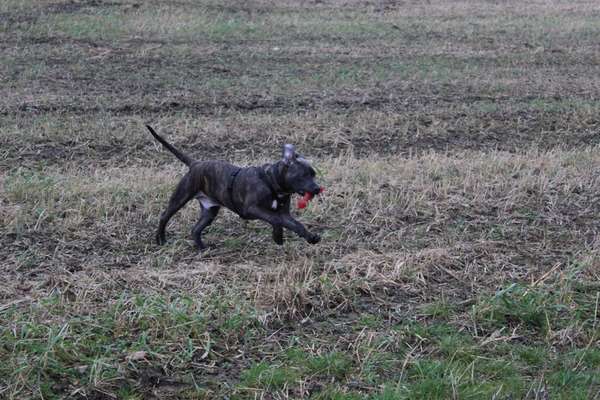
[253, 193]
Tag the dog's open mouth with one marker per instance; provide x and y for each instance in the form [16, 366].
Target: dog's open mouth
[312, 194]
[308, 196]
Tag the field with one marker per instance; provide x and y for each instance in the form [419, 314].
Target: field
[458, 142]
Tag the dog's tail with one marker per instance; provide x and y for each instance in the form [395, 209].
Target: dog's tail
[182, 157]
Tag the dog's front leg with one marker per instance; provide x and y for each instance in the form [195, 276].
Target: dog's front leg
[278, 234]
[278, 229]
[289, 222]
[283, 220]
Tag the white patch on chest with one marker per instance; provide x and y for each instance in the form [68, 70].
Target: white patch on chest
[206, 201]
[274, 205]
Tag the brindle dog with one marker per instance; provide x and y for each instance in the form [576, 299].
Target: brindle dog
[253, 193]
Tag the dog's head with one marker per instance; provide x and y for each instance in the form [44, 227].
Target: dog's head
[298, 175]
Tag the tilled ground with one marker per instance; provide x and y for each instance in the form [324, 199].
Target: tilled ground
[458, 145]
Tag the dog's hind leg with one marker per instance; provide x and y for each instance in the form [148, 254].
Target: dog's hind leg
[207, 216]
[183, 193]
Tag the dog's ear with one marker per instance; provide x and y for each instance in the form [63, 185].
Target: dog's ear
[289, 153]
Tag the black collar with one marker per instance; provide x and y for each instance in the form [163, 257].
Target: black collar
[234, 174]
[274, 177]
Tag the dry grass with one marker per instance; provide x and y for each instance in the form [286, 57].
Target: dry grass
[458, 145]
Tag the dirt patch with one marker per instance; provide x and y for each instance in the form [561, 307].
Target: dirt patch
[69, 7]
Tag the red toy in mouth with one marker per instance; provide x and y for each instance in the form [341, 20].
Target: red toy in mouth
[303, 201]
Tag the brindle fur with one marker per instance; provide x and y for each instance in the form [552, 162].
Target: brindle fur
[257, 193]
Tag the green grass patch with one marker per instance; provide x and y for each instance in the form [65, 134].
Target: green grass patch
[334, 365]
[519, 305]
[268, 376]
[51, 343]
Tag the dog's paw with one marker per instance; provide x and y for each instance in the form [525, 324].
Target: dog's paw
[160, 240]
[313, 239]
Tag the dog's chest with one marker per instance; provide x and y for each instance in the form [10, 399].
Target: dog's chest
[277, 202]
